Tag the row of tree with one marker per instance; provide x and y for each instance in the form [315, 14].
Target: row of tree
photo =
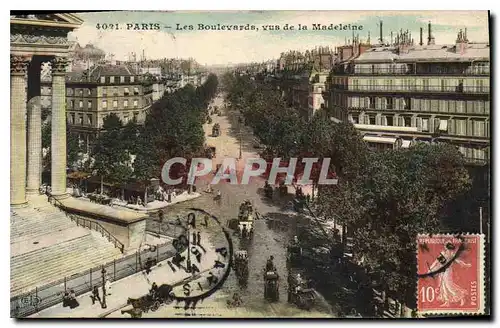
[383, 198]
[133, 152]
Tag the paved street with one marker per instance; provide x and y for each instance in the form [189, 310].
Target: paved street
[269, 239]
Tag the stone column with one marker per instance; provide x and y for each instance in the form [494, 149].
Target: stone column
[34, 127]
[58, 138]
[18, 67]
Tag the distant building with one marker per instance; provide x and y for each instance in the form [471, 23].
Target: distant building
[426, 92]
[105, 89]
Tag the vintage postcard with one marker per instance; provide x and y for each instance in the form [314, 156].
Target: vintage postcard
[250, 164]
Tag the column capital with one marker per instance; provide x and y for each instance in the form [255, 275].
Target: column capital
[59, 65]
[19, 65]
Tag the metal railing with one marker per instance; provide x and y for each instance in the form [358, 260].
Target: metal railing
[87, 223]
[411, 71]
[44, 297]
[415, 88]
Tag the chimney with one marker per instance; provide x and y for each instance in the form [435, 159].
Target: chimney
[421, 36]
[381, 33]
[430, 39]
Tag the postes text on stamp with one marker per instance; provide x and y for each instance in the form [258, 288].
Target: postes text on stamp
[450, 274]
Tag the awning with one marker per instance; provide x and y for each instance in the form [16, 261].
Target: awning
[443, 125]
[382, 140]
[405, 143]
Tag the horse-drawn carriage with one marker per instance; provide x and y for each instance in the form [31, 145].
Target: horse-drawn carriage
[299, 292]
[271, 286]
[294, 255]
[241, 267]
[244, 223]
[216, 130]
[150, 302]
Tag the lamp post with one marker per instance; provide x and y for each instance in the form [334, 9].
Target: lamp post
[103, 272]
[239, 130]
[188, 261]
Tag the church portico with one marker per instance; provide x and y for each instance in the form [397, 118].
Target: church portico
[37, 39]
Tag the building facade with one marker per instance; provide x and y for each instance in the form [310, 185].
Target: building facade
[105, 89]
[409, 92]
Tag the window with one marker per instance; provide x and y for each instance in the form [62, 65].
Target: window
[72, 118]
[390, 120]
[136, 103]
[461, 127]
[132, 79]
[355, 119]
[125, 103]
[444, 85]
[104, 104]
[372, 103]
[71, 104]
[80, 119]
[434, 105]
[371, 119]
[443, 105]
[460, 106]
[136, 116]
[115, 91]
[407, 121]
[89, 92]
[389, 102]
[122, 79]
[111, 79]
[115, 103]
[425, 84]
[104, 91]
[80, 92]
[479, 128]
[89, 119]
[136, 91]
[80, 104]
[406, 103]
[126, 91]
[425, 124]
[69, 91]
[103, 79]
[479, 86]
[89, 104]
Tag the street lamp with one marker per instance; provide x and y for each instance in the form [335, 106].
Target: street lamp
[103, 272]
[188, 261]
[239, 128]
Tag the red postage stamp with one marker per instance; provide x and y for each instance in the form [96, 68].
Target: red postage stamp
[450, 274]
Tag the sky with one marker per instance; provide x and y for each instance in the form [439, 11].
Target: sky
[230, 47]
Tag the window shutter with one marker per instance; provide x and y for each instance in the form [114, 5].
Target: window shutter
[419, 123]
[413, 121]
[401, 121]
[378, 119]
[384, 120]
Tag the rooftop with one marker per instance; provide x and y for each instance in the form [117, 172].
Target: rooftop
[471, 51]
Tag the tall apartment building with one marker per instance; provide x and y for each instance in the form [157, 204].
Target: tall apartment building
[302, 76]
[92, 95]
[403, 92]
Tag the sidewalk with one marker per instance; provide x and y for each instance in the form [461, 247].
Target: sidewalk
[133, 286]
[156, 205]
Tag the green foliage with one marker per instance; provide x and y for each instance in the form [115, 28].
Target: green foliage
[72, 145]
[111, 156]
[384, 198]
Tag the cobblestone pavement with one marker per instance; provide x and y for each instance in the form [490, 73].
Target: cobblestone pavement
[269, 239]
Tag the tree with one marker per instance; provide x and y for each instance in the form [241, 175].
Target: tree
[399, 194]
[111, 158]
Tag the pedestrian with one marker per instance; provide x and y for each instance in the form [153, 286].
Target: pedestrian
[148, 265]
[66, 300]
[198, 238]
[73, 302]
[107, 286]
[95, 295]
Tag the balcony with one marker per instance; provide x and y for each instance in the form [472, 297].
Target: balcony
[415, 89]
[480, 71]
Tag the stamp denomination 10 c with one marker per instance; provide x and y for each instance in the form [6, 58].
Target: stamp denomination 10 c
[450, 274]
